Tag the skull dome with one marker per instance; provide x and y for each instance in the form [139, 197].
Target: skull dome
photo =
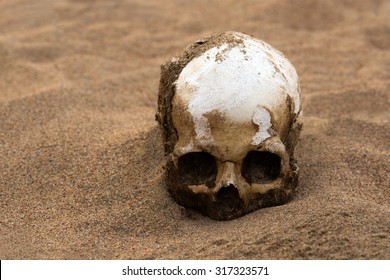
[229, 108]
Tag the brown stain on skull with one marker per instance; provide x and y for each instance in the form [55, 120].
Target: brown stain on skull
[227, 136]
[181, 117]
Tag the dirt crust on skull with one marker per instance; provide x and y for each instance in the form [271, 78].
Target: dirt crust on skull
[170, 72]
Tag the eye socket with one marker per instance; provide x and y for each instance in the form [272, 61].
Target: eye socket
[197, 168]
[261, 167]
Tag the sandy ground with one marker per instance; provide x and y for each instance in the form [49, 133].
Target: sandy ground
[81, 161]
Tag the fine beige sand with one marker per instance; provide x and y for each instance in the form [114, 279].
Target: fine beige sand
[81, 159]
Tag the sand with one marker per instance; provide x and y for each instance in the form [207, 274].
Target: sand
[81, 158]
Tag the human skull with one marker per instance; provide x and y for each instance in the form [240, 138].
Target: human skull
[229, 108]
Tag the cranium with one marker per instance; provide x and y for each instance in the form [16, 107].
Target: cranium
[229, 109]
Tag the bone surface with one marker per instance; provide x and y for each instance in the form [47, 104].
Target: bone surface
[234, 81]
[230, 104]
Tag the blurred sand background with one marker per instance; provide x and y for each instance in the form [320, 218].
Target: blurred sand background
[81, 160]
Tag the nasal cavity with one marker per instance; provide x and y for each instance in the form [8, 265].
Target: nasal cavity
[228, 199]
